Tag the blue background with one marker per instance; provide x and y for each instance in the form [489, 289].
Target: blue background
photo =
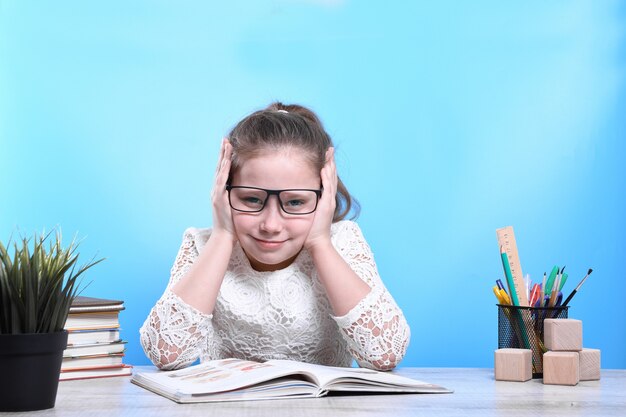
[451, 119]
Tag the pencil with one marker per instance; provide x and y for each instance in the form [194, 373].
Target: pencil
[509, 276]
[555, 291]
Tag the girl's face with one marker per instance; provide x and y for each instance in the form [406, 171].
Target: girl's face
[272, 238]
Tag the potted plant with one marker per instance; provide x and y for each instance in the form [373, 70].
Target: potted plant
[37, 287]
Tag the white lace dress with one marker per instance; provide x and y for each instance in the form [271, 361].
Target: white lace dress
[281, 314]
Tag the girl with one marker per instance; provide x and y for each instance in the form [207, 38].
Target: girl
[281, 275]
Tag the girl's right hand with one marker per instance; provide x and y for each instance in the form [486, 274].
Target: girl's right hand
[222, 214]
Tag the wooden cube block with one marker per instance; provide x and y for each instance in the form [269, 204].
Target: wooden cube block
[563, 334]
[513, 364]
[589, 364]
[561, 368]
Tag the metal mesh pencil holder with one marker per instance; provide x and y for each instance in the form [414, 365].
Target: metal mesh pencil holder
[522, 328]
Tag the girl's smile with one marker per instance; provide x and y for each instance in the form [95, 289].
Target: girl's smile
[268, 244]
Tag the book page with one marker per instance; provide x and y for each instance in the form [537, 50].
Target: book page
[284, 387]
[323, 375]
[217, 376]
[359, 379]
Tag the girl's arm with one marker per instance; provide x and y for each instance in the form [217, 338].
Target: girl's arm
[373, 325]
[175, 333]
[371, 322]
[201, 284]
[344, 288]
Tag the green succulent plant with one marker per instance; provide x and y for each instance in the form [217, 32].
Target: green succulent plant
[38, 285]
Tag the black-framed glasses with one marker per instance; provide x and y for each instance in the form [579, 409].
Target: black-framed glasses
[253, 199]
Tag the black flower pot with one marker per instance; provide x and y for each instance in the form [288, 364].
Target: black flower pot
[30, 365]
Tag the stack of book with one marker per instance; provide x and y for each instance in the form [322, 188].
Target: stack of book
[94, 347]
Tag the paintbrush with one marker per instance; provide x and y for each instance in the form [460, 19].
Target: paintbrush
[569, 297]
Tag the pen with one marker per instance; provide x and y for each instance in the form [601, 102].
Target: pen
[543, 289]
[502, 296]
[534, 295]
[505, 297]
[563, 279]
[551, 278]
[569, 297]
[497, 293]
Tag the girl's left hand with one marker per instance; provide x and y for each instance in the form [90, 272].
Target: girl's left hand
[320, 230]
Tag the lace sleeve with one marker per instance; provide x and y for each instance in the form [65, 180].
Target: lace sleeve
[375, 329]
[175, 334]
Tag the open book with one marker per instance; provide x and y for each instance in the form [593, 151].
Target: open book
[239, 380]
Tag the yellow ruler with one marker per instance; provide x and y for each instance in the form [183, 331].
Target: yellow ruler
[506, 239]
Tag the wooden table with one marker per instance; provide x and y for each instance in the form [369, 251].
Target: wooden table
[476, 394]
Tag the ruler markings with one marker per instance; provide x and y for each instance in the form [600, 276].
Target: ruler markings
[506, 239]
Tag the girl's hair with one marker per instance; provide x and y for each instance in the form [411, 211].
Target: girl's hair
[288, 126]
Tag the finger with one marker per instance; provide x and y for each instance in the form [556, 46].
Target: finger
[220, 158]
[224, 169]
[331, 167]
[219, 185]
[225, 158]
[329, 183]
[330, 154]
